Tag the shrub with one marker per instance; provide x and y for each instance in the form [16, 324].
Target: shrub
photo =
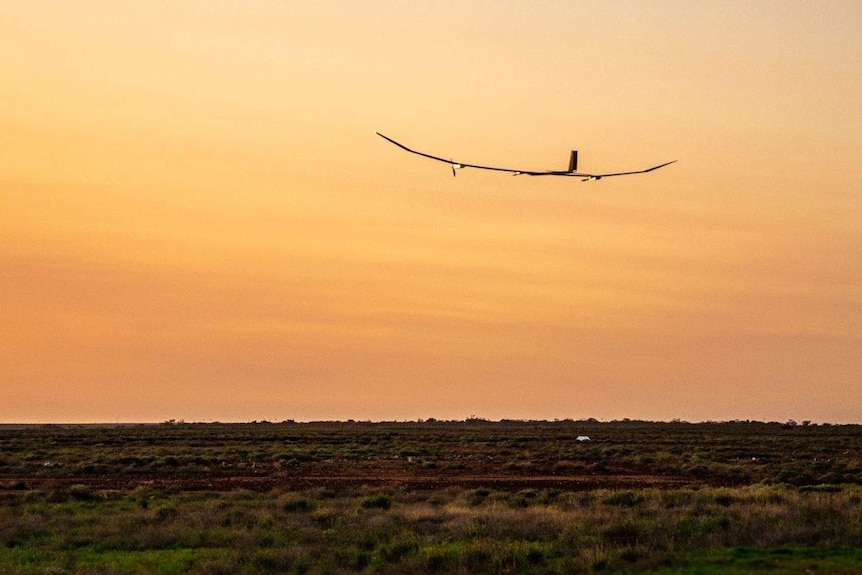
[524, 498]
[623, 499]
[476, 497]
[624, 533]
[298, 504]
[83, 493]
[380, 501]
[725, 499]
[165, 513]
[394, 552]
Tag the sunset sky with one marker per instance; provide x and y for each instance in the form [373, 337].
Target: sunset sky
[197, 220]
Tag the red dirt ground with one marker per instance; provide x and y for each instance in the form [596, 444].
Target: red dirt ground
[282, 481]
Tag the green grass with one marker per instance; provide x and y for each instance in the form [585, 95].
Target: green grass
[768, 529]
[784, 560]
[90, 560]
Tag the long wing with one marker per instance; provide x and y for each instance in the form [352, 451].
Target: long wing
[600, 176]
[454, 164]
[458, 165]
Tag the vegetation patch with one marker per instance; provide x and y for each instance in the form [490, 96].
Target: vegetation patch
[783, 560]
[379, 501]
[358, 498]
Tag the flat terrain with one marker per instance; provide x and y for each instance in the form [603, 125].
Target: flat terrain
[451, 497]
[504, 455]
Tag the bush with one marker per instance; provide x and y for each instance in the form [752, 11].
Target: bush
[298, 504]
[524, 498]
[725, 499]
[624, 533]
[83, 493]
[380, 501]
[477, 496]
[624, 499]
[166, 513]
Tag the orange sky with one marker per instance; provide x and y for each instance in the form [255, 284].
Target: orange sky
[198, 222]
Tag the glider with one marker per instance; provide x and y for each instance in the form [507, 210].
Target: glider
[571, 172]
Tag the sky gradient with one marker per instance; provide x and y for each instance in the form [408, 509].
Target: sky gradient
[198, 222]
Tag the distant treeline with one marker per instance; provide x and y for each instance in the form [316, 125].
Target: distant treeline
[748, 424]
[478, 421]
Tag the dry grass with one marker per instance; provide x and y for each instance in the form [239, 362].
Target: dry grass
[449, 531]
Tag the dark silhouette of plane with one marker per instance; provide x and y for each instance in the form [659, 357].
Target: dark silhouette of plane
[571, 172]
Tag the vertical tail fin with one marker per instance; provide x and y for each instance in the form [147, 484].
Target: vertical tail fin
[573, 161]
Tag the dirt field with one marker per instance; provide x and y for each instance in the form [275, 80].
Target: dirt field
[425, 456]
[388, 480]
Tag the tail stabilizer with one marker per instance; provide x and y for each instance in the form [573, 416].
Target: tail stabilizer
[573, 161]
